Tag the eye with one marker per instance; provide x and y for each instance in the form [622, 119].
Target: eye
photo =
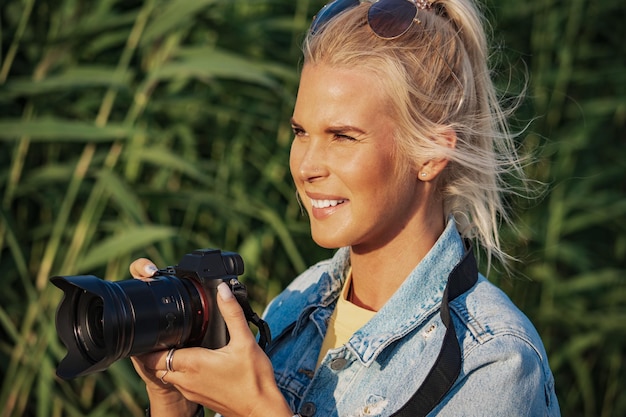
[346, 134]
[342, 137]
[298, 131]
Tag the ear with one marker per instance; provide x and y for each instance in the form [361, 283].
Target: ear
[430, 169]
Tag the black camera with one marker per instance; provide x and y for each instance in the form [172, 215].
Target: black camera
[100, 321]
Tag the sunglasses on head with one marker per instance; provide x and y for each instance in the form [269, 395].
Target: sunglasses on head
[388, 19]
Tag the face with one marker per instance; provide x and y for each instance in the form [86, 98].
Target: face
[355, 189]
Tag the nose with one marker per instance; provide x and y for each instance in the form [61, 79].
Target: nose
[308, 160]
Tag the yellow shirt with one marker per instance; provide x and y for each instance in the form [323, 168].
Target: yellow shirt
[344, 322]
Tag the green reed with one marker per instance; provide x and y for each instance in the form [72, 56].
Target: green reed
[152, 128]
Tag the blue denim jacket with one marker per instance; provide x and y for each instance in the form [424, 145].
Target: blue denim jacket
[504, 371]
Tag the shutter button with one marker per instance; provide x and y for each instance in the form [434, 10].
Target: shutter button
[308, 410]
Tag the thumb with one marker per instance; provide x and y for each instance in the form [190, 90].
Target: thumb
[142, 268]
[232, 312]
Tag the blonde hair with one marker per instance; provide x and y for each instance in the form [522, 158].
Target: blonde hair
[437, 79]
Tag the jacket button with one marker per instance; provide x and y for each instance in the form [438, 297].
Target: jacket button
[308, 410]
[338, 364]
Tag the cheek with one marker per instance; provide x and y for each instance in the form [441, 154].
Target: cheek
[294, 162]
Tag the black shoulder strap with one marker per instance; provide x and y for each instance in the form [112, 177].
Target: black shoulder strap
[241, 294]
[447, 367]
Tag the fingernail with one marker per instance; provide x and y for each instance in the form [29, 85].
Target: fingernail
[150, 269]
[224, 291]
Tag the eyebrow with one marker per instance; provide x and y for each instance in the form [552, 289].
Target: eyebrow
[341, 129]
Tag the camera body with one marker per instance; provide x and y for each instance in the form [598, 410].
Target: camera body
[100, 321]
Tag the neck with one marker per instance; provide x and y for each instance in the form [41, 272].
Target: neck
[378, 273]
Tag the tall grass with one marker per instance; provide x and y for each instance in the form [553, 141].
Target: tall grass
[573, 241]
[152, 128]
[136, 129]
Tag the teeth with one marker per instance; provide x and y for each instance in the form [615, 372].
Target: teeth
[325, 203]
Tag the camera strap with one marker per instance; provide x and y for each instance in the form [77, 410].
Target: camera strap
[447, 367]
[241, 294]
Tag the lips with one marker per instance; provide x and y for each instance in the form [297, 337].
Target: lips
[321, 204]
[325, 205]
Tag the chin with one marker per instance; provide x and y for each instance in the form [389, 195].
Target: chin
[329, 242]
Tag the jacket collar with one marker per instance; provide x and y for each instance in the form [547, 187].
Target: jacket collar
[417, 299]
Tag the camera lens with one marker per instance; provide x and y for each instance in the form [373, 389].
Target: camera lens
[100, 321]
[89, 326]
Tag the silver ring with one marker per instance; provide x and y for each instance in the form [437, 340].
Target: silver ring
[168, 360]
[163, 376]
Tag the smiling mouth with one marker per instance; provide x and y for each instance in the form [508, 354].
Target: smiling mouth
[320, 204]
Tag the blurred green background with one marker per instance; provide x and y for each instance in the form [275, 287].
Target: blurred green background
[152, 128]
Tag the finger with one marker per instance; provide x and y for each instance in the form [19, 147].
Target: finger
[161, 375]
[143, 268]
[173, 374]
[169, 379]
[232, 312]
[158, 361]
[180, 361]
[153, 361]
[151, 376]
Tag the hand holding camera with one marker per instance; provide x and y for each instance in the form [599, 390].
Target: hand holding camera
[166, 322]
[235, 380]
[100, 321]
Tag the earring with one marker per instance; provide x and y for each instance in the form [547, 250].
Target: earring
[423, 174]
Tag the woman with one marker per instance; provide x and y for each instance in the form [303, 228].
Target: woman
[399, 155]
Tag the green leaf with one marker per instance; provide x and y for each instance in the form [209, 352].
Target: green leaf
[59, 130]
[207, 63]
[73, 78]
[126, 241]
[173, 15]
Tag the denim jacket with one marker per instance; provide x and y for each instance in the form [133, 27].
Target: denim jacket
[504, 371]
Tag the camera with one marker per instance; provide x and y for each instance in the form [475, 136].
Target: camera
[101, 321]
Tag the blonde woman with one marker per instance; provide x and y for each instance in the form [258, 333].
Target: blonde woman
[399, 157]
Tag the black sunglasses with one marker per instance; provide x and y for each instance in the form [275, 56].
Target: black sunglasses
[388, 19]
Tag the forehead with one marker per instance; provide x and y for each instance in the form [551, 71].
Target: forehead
[330, 92]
